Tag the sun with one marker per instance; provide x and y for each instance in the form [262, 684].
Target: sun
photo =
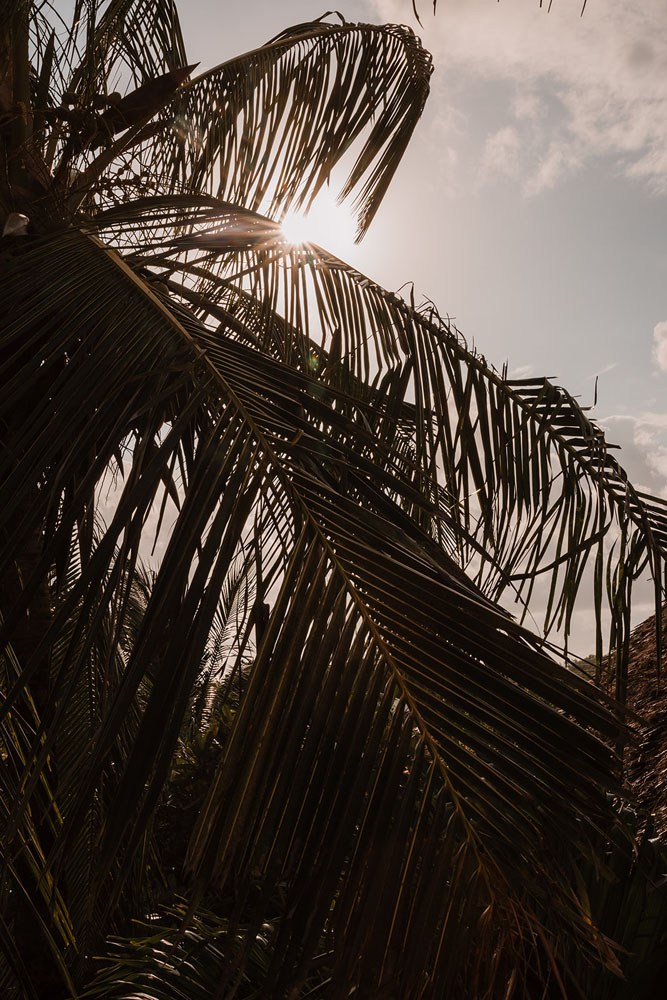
[297, 228]
[327, 224]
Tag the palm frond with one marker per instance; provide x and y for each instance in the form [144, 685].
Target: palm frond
[127, 43]
[192, 963]
[378, 657]
[405, 770]
[268, 128]
[516, 471]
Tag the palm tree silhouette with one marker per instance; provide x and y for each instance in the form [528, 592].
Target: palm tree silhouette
[412, 781]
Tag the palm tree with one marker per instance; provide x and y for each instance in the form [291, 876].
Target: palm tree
[413, 782]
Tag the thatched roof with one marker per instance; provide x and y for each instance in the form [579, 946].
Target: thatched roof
[646, 760]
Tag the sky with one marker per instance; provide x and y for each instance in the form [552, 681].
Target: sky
[531, 206]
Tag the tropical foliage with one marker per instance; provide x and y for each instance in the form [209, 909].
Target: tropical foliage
[308, 754]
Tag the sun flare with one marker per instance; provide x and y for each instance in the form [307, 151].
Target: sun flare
[297, 228]
[327, 224]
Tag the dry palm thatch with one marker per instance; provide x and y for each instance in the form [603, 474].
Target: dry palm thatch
[646, 756]
[411, 780]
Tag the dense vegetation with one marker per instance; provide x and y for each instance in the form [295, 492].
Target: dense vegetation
[308, 753]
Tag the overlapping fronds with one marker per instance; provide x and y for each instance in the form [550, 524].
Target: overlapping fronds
[106, 47]
[528, 484]
[284, 115]
[129, 971]
[264, 129]
[482, 717]
[410, 782]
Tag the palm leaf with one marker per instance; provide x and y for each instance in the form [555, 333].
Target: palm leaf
[408, 771]
[527, 483]
[416, 666]
[128, 39]
[268, 127]
[192, 964]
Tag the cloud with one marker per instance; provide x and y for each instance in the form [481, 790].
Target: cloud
[660, 345]
[603, 371]
[643, 442]
[521, 371]
[595, 85]
[559, 160]
[501, 152]
[527, 106]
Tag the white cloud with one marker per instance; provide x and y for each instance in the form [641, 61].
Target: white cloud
[643, 454]
[596, 85]
[660, 345]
